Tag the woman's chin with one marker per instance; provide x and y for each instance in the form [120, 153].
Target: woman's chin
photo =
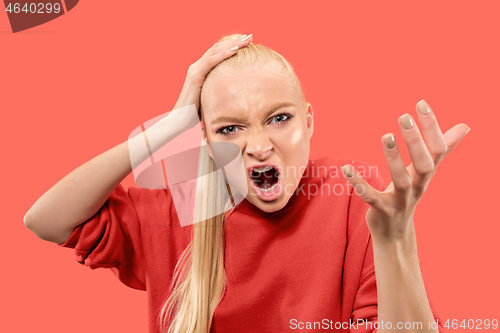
[268, 206]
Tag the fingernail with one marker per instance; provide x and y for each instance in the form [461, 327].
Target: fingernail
[389, 141]
[244, 38]
[423, 107]
[407, 121]
[346, 169]
[467, 130]
[234, 48]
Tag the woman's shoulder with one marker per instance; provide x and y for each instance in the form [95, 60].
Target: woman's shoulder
[151, 204]
[142, 194]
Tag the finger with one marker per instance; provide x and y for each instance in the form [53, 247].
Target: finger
[362, 188]
[433, 136]
[229, 50]
[227, 44]
[454, 135]
[400, 177]
[419, 154]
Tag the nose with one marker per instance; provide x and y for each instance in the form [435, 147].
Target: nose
[259, 146]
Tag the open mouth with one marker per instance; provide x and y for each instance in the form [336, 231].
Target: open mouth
[265, 178]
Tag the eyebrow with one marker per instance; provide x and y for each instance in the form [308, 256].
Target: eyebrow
[232, 119]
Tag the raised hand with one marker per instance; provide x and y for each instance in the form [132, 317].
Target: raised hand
[390, 216]
[198, 71]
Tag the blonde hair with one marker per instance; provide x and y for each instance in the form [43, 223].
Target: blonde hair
[199, 279]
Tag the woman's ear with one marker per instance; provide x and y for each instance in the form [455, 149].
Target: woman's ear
[310, 119]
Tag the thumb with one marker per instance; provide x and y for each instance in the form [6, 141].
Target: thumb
[454, 135]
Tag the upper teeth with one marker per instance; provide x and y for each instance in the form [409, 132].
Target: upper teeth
[263, 169]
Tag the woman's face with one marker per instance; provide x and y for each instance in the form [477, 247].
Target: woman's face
[261, 112]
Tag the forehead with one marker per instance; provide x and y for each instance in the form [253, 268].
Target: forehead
[249, 92]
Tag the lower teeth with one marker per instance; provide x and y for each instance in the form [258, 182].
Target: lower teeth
[268, 189]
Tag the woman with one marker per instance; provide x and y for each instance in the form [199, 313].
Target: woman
[301, 252]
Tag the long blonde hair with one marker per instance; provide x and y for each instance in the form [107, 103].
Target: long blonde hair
[199, 279]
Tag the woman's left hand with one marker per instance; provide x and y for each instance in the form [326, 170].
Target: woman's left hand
[390, 216]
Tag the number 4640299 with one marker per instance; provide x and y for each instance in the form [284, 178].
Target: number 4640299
[477, 324]
[34, 8]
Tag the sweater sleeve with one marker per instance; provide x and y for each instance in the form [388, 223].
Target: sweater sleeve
[111, 238]
[365, 309]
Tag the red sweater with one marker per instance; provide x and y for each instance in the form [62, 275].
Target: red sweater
[308, 266]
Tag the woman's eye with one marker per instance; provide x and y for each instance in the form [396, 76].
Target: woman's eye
[280, 118]
[228, 129]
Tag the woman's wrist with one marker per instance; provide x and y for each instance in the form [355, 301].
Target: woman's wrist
[169, 127]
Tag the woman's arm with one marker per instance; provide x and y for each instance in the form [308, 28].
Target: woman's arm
[78, 196]
[81, 193]
[401, 291]
[400, 287]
